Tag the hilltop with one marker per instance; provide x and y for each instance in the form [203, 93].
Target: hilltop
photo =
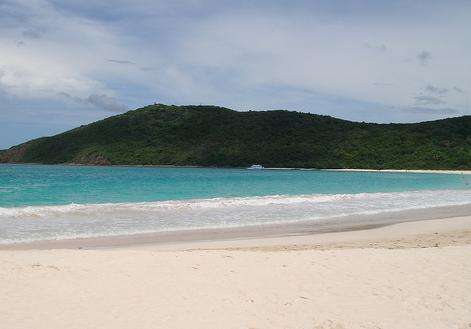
[215, 136]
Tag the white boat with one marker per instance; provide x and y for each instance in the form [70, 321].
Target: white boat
[255, 166]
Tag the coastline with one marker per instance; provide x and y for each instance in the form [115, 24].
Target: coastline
[396, 269]
[414, 274]
[417, 171]
[227, 236]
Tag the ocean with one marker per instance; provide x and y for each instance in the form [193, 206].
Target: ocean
[42, 202]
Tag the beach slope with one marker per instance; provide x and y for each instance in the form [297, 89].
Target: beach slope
[409, 275]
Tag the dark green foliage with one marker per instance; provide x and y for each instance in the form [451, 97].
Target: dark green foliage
[215, 136]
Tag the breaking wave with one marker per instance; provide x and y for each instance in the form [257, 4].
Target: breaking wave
[32, 223]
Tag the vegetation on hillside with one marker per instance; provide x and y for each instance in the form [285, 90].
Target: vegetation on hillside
[215, 136]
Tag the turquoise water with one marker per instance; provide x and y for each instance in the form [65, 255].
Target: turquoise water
[26, 185]
[39, 202]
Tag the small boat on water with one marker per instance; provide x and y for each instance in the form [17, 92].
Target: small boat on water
[255, 166]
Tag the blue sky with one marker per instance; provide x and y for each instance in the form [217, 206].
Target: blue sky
[66, 63]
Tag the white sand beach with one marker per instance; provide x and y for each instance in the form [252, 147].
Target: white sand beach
[408, 275]
[235, 164]
[417, 171]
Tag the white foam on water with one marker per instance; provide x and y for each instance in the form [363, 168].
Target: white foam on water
[32, 223]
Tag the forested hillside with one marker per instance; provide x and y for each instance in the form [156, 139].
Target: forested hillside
[215, 136]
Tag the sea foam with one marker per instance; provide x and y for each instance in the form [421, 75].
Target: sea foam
[32, 223]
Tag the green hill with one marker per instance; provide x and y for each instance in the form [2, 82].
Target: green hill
[215, 136]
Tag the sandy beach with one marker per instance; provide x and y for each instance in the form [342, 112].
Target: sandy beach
[235, 164]
[417, 171]
[408, 275]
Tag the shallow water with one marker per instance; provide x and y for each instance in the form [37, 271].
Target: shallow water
[54, 202]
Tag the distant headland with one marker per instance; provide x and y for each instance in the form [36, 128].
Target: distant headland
[215, 136]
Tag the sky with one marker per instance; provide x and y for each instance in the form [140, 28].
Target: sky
[71, 62]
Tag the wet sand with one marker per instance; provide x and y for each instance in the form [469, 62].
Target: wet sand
[256, 232]
[413, 274]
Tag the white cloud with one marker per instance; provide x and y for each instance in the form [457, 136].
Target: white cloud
[60, 53]
[331, 59]
[130, 51]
